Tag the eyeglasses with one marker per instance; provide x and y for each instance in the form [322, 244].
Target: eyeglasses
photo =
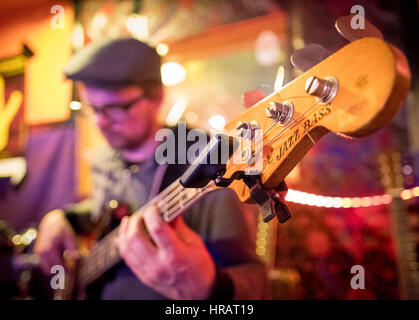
[113, 110]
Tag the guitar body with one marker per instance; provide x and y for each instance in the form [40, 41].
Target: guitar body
[373, 77]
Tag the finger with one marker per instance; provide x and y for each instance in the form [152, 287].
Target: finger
[135, 226]
[69, 241]
[122, 230]
[70, 246]
[139, 267]
[48, 255]
[143, 241]
[185, 233]
[123, 226]
[138, 255]
[49, 258]
[56, 257]
[134, 239]
[161, 233]
[141, 228]
[44, 263]
[143, 250]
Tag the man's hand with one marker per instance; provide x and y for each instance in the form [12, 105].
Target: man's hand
[54, 237]
[172, 260]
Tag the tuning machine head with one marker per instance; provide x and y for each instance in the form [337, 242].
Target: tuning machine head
[324, 89]
[245, 129]
[280, 112]
[351, 31]
[280, 78]
[307, 57]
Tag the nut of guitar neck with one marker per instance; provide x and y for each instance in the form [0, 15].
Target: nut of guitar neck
[325, 89]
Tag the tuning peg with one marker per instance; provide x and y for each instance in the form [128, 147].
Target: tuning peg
[343, 26]
[307, 57]
[252, 97]
[280, 78]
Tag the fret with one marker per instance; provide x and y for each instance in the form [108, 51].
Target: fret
[171, 202]
[174, 200]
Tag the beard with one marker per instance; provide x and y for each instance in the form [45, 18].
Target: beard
[128, 140]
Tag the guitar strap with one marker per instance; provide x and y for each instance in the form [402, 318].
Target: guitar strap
[175, 171]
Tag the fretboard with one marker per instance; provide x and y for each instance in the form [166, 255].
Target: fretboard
[171, 202]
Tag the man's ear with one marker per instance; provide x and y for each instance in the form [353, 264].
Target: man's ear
[81, 91]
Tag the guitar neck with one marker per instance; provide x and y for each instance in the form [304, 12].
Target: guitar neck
[171, 203]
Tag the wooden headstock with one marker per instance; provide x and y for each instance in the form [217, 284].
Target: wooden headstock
[372, 80]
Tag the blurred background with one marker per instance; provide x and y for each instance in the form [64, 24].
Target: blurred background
[354, 202]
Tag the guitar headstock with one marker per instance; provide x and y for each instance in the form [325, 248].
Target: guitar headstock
[355, 92]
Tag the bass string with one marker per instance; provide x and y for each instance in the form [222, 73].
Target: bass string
[294, 121]
[106, 255]
[106, 247]
[90, 272]
[275, 121]
[165, 204]
[175, 211]
[173, 187]
[102, 248]
[169, 216]
[179, 198]
[99, 255]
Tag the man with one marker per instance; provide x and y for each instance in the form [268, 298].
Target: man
[209, 255]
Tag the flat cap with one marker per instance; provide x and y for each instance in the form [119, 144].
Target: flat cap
[115, 63]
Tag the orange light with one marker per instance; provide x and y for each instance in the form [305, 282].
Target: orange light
[172, 73]
[311, 199]
[376, 201]
[337, 202]
[162, 49]
[386, 199]
[406, 194]
[356, 202]
[366, 202]
[346, 203]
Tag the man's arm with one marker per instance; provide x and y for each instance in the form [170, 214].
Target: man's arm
[57, 231]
